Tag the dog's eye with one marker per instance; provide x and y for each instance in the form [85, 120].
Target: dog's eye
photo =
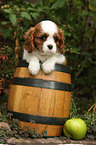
[56, 39]
[43, 38]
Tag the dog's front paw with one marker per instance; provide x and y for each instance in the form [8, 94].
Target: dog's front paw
[47, 67]
[34, 68]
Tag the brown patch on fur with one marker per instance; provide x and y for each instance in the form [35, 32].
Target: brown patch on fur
[32, 38]
[38, 34]
[37, 42]
[29, 38]
[60, 41]
[56, 35]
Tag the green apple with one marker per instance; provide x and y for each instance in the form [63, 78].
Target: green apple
[75, 128]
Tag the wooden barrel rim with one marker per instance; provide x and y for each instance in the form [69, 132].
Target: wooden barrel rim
[38, 119]
[41, 83]
[36, 82]
[58, 67]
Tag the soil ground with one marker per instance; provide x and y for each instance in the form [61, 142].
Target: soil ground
[50, 141]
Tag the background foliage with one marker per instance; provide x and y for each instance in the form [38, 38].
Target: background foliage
[78, 20]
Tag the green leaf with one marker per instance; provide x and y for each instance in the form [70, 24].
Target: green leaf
[80, 81]
[30, 9]
[6, 33]
[92, 5]
[84, 13]
[95, 95]
[34, 15]
[86, 54]
[58, 4]
[4, 23]
[75, 50]
[33, 5]
[8, 11]
[12, 18]
[25, 15]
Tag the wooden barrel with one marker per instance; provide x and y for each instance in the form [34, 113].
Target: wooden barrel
[43, 98]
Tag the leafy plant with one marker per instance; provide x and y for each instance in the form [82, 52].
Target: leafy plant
[16, 130]
[88, 117]
[7, 64]
[15, 15]
[79, 24]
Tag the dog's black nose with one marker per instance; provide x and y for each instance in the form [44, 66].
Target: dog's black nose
[50, 46]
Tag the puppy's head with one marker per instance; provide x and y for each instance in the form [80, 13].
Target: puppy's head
[46, 37]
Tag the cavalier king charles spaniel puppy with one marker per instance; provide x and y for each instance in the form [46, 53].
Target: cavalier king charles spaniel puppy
[44, 43]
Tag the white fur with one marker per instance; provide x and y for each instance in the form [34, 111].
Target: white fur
[49, 61]
[49, 57]
[50, 28]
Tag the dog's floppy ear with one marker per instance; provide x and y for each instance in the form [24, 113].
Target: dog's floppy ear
[61, 47]
[29, 40]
